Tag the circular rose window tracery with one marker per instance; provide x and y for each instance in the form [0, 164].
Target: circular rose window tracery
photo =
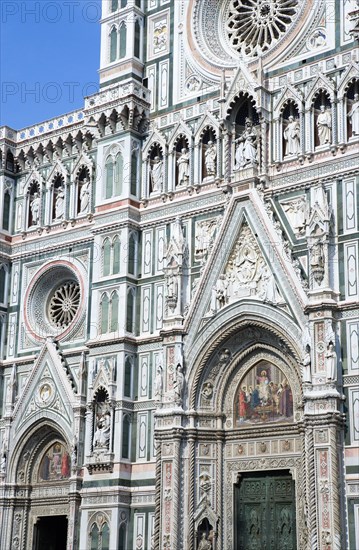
[64, 304]
[253, 26]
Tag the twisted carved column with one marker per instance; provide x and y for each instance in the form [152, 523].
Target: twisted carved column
[191, 491]
[156, 534]
[176, 497]
[310, 487]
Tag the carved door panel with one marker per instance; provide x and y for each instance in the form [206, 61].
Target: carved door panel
[265, 513]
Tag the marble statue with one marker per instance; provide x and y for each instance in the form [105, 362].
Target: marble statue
[219, 294]
[331, 362]
[210, 157]
[324, 125]
[59, 203]
[204, 543]
[158, 386]
[353, 115]
[178, 383]
[35, 209]
[85, 195]
[292, 136]
[156, 175]
[246, 146]
[101, 438]
[307, 373]
[317, 261]
[74, 448]
[183, 168]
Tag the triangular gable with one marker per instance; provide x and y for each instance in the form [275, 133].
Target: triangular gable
[289, 92]
[83, 160]
[47, 388]
[34, 175]
[243, 82]
[321, 83]
[352, 72]
[273, 280]
[58, 168]
[180, 128]
[208, 121]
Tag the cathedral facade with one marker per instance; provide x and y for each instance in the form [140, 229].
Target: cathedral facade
[179, 288]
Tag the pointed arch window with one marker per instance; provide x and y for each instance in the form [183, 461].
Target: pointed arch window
[134, 173]
[104, 313]
[109, 178]
[137, 45]
[131, 254]
[113, 44]
[126, 426]
[6, 211]
[2, 283]
[123, 40]
[128, 378]
[116, 255]
[105, 537]
[106, 257]
[114, 5]
[114, 312]
[122, 537]
[94, 537]
[118, 175]
[130, 311]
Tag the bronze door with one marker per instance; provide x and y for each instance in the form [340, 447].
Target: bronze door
[265, 512]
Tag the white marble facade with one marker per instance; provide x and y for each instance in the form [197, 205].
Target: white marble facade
[179, 285]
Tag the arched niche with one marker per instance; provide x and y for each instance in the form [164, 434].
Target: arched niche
[83, 191]
[322, 119]
[263, 396]
[156, 169]
[209, 154]
[352, 110]
[291, 131]
[58, 199]
[34, 204]
[102, 422]
[245, 121]
[182, 162]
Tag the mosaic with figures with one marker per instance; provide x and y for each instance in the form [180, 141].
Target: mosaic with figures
[55, 464]
[264, 395]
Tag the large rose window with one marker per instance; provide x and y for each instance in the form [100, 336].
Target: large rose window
[64, 304]
[254, 26]
[54, 300]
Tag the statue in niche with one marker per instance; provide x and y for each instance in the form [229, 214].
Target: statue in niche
[158, 383]
[292, 136]
[204, 543]
[210, 157]
[101, 438]
[183, 168]
[59, 203]
[3, 457]
[353, 115]
[331, 362]
[317, 262]
[178, 383]
[306, 363]
[35, 209]
[156, 175]
[246, 146]
[324, 125]
[74, 449]
[85, 195]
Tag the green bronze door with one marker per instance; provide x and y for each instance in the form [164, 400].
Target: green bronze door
[265, 512]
